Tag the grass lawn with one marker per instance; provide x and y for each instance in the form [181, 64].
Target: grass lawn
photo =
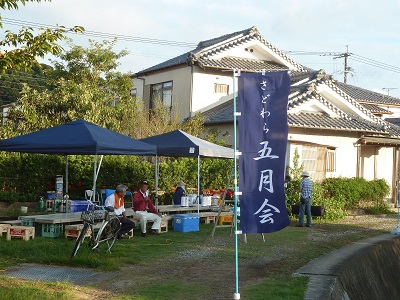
[192, 265]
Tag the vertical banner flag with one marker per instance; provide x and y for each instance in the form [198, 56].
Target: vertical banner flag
[263, 133]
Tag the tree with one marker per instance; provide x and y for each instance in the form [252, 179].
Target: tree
[86, 86]
[12, 82]
[24, 47]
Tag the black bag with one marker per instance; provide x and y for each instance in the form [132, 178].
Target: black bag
[302, 200]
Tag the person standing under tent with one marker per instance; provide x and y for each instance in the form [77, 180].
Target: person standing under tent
[179, 192]
[143, 205]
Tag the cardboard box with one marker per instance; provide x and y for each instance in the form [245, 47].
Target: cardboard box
[186, 222]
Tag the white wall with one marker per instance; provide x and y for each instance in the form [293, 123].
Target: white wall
[203, 90]
[346, 152]
[181, 87]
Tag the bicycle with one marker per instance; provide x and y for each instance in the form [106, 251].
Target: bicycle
[105, 235]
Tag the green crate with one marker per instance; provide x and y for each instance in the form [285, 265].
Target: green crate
[27, 221]
[52, 230]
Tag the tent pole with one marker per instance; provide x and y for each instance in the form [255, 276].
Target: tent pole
[96, 174]
[198, 184]
[66, 174]
[156, 171]
[92, 197]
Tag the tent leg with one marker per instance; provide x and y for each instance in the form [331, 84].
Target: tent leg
[156, 171]
[198, 184]
[96, 171]
[66, 174]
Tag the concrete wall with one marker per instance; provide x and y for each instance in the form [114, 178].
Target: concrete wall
[368, 269]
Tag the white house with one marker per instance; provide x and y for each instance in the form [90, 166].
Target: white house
[338, 129]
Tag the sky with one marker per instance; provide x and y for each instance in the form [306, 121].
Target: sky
[311, 32]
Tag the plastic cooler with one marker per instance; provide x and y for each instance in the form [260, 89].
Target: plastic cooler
[77, 205]
[186, 222]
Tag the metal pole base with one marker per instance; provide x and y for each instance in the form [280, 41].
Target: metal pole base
[236, 296]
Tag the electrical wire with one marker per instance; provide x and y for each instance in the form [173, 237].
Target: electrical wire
[352, 56]
[103, 34]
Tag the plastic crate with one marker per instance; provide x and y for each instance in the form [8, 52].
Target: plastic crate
[51, 195]
[52, 230]
[27, 221]
[78, 205]
[225, 219]
[186, 222]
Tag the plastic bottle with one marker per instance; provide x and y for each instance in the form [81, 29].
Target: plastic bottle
[41, 203]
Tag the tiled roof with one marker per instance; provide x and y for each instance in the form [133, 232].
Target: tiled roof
[343, 121]
[245, 65]
[308, 94]
[181, 59]
[320, 77]
[206, 49]
[375, 109]
[223, 113]
[364, 95]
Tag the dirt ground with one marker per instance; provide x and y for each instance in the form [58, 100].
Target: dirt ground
[201, 266]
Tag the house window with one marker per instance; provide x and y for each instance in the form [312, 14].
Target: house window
[162, 92]
[115, 102]
[330, 160]
[221, 88]
[314, 161]
[133, 93]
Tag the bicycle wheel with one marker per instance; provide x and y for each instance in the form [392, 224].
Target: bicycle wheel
[107, 235]
[80, 239]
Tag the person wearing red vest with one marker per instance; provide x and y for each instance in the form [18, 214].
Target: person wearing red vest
[116, 200]
[142, 205]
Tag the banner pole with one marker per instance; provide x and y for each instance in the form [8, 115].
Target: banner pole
[236, 295]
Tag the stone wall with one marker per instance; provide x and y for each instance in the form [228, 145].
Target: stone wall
[33, 207]
[372, 273]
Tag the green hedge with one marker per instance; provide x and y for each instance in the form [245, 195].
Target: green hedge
[341, 194]
[25, 177]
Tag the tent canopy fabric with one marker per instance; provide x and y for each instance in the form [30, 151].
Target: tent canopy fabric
[78, 137]
[180, 143]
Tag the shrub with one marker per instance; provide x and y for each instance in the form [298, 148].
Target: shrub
[358, 193]
[9, 196]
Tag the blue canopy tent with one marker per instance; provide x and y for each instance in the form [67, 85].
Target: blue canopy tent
[178, 143]
[78, 137]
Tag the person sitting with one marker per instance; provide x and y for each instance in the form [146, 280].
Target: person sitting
[143, 205]
[179, 192]
[116, 200]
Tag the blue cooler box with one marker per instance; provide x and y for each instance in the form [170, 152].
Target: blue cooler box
[78, 205]
[186, 222]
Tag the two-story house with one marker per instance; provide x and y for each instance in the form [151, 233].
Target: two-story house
[338, 129]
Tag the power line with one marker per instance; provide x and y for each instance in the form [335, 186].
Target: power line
[352, 56]
[104, 35]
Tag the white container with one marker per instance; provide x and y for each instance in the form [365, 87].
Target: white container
[185, 201]
[205, 200]
[24, 209]
[192, 199]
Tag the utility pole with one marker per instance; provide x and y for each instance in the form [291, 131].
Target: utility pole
[346, 68]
